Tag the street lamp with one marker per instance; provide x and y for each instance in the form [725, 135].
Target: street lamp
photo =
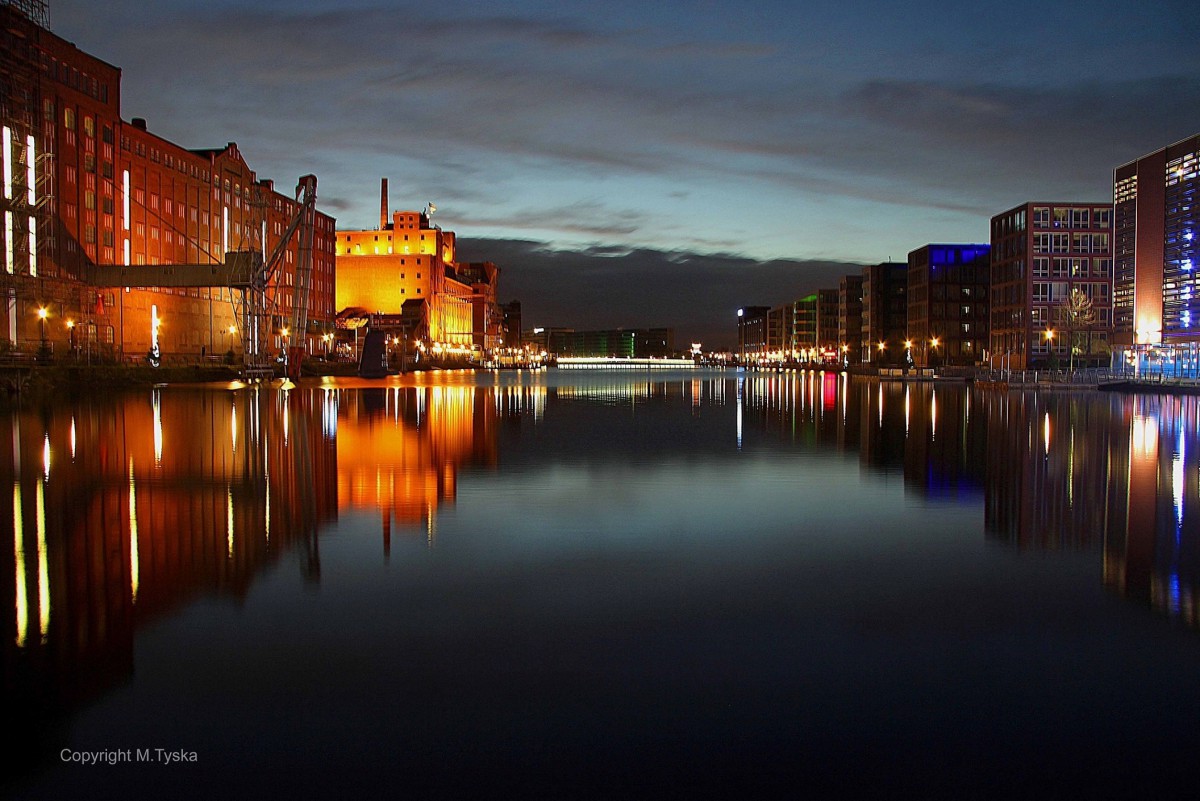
[71, 331]
[42, 313]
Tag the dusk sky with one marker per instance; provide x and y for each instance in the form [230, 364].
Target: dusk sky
[633, 164]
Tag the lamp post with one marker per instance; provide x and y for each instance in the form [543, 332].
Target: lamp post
[933, 345]
[71, 332]
[42, 313]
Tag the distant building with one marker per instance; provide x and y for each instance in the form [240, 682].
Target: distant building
[410, 259]
[884, 313]
[628, 343]
[752, 331]
[1156, 222]
[850, 306]
[827, 319]
[804, 323]
[511, 314]
[1040, 253]
[948, 303]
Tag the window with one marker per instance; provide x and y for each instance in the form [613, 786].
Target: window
[69, 119]
[1041, 216]
[1102, 218]
[89, 127]
[1041, 267]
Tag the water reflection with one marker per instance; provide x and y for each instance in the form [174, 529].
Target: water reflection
[125, 510]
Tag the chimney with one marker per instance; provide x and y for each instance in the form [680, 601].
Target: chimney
[383, 205]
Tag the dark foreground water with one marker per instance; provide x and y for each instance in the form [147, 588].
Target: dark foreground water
[578, 585]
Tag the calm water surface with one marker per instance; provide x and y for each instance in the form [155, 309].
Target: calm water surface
[603, 585]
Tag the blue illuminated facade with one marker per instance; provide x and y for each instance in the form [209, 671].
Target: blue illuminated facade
[1181, 223]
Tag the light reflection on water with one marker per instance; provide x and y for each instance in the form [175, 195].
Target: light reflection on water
[702, 497]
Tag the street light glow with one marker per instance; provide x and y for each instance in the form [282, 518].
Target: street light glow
[42, 312]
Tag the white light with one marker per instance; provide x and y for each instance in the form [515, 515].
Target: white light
[125, 207]
[32, 246]
[224, 231]
[31, 170]
[154, 326]
[7, 162]
[126, 252]
[8, 242]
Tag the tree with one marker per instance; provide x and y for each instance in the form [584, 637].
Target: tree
[1075, 317]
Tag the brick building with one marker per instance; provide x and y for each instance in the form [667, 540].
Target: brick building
[1041, 253]
[90, 188]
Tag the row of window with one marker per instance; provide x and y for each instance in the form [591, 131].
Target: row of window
[1059, 291]
[1071, 217]
[1070, 243]
[75, 78]
[1070, 267]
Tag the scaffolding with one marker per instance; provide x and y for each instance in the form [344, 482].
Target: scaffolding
[28, 230]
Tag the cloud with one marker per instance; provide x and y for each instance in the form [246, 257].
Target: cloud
[519, 113]
[606, 286]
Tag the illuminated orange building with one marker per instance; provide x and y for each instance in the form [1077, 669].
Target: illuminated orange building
[88, 187]
[409, 259]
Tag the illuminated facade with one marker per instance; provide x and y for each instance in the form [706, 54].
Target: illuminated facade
[948, 303]
[409, 259]
[93, 189]
[1155, 228]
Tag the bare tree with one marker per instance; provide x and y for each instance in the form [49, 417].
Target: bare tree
[1075, 318]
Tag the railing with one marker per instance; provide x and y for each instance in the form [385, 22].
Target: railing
[1088, 377]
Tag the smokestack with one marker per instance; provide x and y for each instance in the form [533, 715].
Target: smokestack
[383, 205]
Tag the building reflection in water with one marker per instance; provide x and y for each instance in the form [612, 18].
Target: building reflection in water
[125, 510]
[1152, 544]
[399, 449]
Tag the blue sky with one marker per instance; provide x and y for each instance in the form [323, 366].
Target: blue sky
[805, 134]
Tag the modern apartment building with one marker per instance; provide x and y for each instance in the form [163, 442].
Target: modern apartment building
[1156, 296]
[884, 313]
[1041, 254]
[850, 309]
[827, 320]
[948, 304]
[752, 332]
